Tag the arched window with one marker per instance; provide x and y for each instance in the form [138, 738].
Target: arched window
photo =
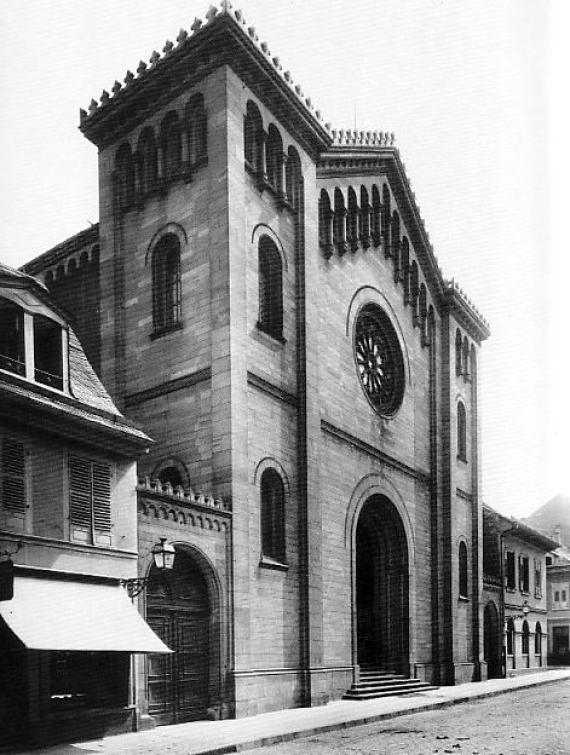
[325, 223]
[253, 138]
[270, 271]
[148, 165]
[510, 637]
[463, 571]
[525, 638]
[396, 244]
[406, 269]
[364, 218]
[538, 639]
[197, 131]
[171, 475]
[461, 432]
[125, 177]
[293, 178]
[171, 146]
[414, 290]
[458, 353]
[12, 353]
[166, 283]
[466, 370]
[339, 222]
[272, 516]
[376, 215]
[422, 314]
[352, 225]
[386, 215]
[274, 159]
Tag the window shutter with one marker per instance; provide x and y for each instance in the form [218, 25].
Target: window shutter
[79, 491]
[13, 475]
[102, 497]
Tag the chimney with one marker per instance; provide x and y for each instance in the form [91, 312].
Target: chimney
[557, 534]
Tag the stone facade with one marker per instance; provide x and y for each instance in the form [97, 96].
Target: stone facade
[298, 248]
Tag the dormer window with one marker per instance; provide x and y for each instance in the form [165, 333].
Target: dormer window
[12, 354]
[32, 345]
[48, 355]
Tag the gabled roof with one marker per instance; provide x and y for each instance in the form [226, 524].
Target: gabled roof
[222, 38]
[361, 153]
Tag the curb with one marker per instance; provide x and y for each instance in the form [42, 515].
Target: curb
[299, 734]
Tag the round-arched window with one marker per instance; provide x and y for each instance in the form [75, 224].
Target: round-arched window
[379, 360]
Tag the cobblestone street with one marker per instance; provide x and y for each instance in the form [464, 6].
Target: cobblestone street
[532, 721]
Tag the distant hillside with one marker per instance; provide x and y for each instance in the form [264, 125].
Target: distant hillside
[552, 514]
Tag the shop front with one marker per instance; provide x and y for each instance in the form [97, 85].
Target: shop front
[66, 649]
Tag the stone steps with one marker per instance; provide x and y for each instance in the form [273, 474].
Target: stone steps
[379, 683]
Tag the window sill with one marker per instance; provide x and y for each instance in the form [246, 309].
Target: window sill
[279, 338]
[266, 562]
[462, 459]
[464, 599]
[159, 332]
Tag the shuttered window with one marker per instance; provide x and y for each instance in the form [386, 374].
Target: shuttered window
[13, 470]
[90, 494]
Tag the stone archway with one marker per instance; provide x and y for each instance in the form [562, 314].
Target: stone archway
[183, 609]
[492, 641]
[381, 588]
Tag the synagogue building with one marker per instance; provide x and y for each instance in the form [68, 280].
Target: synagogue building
[261, 297]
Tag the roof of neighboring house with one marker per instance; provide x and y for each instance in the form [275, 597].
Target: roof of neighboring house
[87, 412]
[514, 527]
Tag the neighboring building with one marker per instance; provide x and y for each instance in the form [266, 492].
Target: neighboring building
[68, 522]
[514, 594]
[558, 584]
[553, 518]
[266, 303]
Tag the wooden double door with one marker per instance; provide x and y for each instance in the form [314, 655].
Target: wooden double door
[178, 611]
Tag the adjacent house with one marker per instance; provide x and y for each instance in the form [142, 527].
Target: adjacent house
[515, 610]
[558, 584]
[68, 532]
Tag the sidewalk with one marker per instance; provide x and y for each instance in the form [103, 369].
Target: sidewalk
[217, 737]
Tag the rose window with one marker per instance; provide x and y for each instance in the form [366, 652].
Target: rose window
[379, 360]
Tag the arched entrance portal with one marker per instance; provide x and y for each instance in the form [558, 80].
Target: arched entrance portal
[180, 611]
[492, 641]
[382, 604]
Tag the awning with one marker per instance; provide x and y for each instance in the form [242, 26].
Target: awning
[54, 614]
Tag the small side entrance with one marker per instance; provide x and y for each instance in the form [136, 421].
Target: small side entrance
[492, 641]
[382, 604]
[179, 611]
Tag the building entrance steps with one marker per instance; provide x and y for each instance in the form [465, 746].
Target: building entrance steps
[217, 737]
[376, 683]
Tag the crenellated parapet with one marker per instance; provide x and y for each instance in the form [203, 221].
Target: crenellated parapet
[182, 507]
[186, 41]
[458, 299]
[351, 138]
[179, 494]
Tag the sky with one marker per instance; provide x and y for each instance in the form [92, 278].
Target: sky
[471, 89]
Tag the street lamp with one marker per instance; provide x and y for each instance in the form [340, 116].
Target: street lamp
[163, 554]
[523, 615]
